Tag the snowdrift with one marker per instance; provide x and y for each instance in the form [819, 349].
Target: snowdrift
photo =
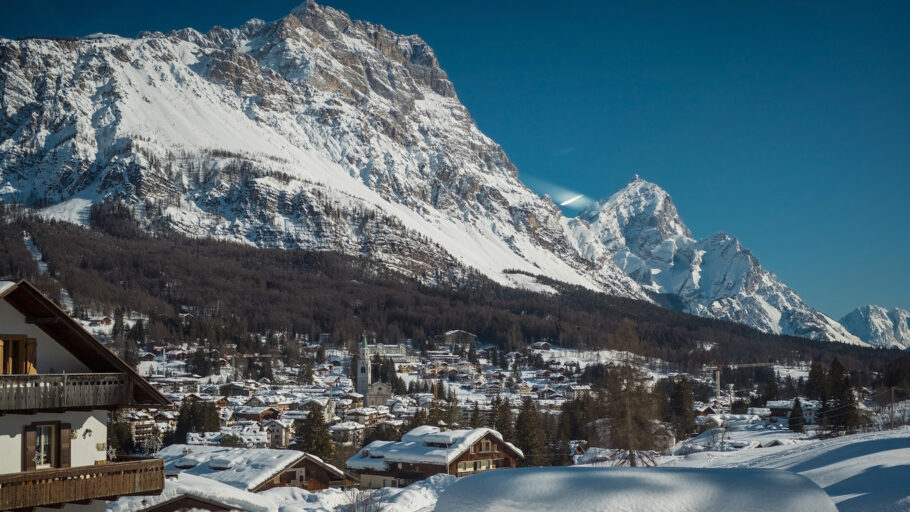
[634, 490]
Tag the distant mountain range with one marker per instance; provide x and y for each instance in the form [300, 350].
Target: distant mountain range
[318, 132]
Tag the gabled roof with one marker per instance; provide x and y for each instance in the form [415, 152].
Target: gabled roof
[424, 445]
[243, 468]
[56, 323]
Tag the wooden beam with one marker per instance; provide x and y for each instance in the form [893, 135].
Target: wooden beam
[41, 320]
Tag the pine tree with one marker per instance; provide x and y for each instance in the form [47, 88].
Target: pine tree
[529, 435]
[631, 410]
[796, 422]
[502, 420]
[475, 420]
[313, 435]
[682, 409]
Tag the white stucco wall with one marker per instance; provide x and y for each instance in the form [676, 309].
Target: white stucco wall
[83, 447]
[51, 357]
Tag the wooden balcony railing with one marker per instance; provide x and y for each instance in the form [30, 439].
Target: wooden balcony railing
[106, 481]
[63, 391]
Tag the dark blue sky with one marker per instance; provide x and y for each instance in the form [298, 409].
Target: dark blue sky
[785, 124]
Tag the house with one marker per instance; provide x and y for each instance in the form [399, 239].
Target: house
[577, 391]
[541, 345]
[254, 470]
[347, 432]
[368, 416]
[427, 451]
[779, 408]
[458, 339]
[57, 386]
[259, 414]
[279, 432]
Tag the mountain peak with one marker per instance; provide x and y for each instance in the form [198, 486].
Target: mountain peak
[878, 326]
[301, 10]
[640, 206]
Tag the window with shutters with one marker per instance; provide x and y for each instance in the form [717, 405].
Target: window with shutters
[17, 354]
[46, 445]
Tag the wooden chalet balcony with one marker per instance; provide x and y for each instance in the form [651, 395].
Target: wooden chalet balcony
[63, 391]
[106, 481]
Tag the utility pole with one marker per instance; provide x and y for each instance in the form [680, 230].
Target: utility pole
[892, 407]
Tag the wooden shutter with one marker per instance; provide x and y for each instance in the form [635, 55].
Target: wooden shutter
[63, 457]
[31, 354]
[29, 434]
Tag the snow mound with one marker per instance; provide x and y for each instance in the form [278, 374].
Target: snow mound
[860, 472]
[634, 490]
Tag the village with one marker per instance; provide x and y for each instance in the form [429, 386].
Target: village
[358, 416]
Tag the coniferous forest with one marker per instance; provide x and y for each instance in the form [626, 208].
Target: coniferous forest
[226, 291]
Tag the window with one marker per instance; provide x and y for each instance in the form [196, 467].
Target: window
[17, 354]
[46, 445]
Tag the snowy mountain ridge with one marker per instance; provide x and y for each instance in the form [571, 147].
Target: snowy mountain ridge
[318, 132]
[879, 327]
[640, 229]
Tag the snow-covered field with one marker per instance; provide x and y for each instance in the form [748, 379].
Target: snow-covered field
[861, 472]
[634, 490]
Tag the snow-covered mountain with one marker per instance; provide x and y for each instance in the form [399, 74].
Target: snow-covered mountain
[639, 230]
[313, 131]
[318, 132]
[879, 327]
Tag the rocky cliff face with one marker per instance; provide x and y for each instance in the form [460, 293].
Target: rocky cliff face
[639, 229]
[319, 132]
[879, 327]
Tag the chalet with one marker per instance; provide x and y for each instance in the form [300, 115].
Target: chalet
[541, 345]
[368, 416]
[254, 470]
[279, 432]
[57, 386]
[577, 391]
[347, 432]
[259, 414]
[779, 408]
[458, 339]
[427, 451]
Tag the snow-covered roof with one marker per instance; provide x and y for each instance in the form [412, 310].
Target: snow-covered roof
[348, 425]
[186, 484]
[423, 445]
[243, 468]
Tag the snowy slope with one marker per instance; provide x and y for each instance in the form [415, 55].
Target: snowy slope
[879, 327]
[633, 490]
[860, 472]
[640, 230]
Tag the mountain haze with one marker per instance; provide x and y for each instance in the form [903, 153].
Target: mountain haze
[318, 132]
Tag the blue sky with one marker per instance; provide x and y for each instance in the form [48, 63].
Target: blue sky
[785, 124]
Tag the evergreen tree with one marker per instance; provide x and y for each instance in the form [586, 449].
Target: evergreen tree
[631, 410]
[502, 420]
[529, 435]
[682, 409]
[817, 386]
[795, 421]
[305, 375]
[475, 420]
[313, 435]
